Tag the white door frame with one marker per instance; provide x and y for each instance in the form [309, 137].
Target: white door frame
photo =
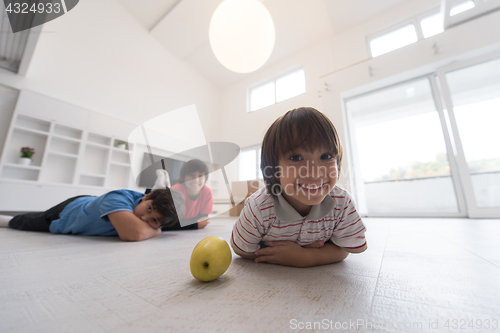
[355, 178]
[450, 148]
[472, 209]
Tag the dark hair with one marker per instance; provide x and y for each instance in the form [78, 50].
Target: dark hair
[191, 166]
[303, 127]
[169, 204]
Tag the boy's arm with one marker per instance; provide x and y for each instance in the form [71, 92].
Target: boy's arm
[198, 222]
[239, 252]
[247, 231]
[130, 227]
[292, 254]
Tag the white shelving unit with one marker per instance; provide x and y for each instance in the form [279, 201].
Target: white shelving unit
[76, 153]
[64, 155]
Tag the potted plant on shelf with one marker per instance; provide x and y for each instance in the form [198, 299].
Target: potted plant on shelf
[121, 144]
[26, 154]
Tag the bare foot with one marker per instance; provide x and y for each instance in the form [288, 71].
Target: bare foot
[4, 221]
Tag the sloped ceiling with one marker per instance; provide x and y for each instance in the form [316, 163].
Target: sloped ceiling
[181, 26]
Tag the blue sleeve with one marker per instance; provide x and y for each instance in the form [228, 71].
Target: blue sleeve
[116, 201]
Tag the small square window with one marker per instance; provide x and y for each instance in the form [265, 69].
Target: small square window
[290, 85]
[432, 25]
[248, 165]
[393, 40]
[462, 7]
[277, 89]
[262, 96]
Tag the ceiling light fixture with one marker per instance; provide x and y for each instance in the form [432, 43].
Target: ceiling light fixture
[242, 35]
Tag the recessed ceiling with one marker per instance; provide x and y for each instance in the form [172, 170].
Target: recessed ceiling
[181, 26]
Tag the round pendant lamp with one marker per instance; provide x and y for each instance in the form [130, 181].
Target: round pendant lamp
[242, 35]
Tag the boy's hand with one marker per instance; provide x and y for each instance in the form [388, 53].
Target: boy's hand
[203, 222]
[292, 254]
[130, 227]
[316, 244]
[281, 252]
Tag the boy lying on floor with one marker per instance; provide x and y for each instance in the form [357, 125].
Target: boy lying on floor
[130, 215]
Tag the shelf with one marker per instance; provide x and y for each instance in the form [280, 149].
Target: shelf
[119, 175]
[93, 175]
[97, 145]
[98, 139]
[56, 153]
[126, 165]
[120, 157]
[59, 169]
[62, 137]
[95, 160]
[15, 172]
[117, 142]
[30, 167]
[33, 124]
[64, 145]
[30, 130]
[92, 180]
[67, 132]
[25, 138]
[121, 151]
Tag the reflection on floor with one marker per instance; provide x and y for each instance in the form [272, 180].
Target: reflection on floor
[417, 275]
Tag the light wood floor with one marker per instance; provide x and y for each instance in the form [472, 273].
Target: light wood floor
[416, 272]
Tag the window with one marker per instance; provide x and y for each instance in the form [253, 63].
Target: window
[262, 96]
[414, 153]
[459, 11]
[290, 85]
[475, 95]
[400, 153]
[16, 49]
[277, 90]
[462, 7]
[393, 40]
[432, 25]
[425, 27]
[249, 164]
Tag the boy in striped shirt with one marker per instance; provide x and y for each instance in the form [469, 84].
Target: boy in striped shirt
[300, 218]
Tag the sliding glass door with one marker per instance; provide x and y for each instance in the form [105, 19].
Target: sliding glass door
[429, 146]
[400, 153]
[472, 96]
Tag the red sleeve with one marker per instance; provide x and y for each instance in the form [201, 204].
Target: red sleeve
[207, 205]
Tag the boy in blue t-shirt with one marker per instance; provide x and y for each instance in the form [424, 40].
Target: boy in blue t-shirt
[130, 215]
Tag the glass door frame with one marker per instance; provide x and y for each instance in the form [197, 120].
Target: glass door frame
[354, 174]
[473, 211]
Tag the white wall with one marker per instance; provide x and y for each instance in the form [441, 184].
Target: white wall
[335, 62]
[100, 58]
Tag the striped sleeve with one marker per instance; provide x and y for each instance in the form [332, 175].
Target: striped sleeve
[248, 229]
[349, 232]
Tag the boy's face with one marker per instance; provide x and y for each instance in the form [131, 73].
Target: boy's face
[144, 211]
[307, 177]
[194, 182]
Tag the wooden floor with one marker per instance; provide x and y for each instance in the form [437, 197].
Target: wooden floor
[418, 275]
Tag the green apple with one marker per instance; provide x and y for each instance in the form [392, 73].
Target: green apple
[211, 257]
